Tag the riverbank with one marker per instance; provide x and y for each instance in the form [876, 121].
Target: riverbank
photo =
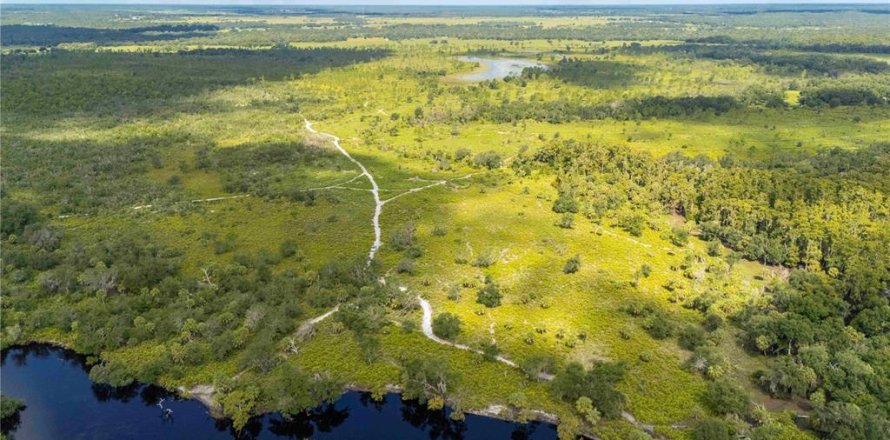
[54, 382]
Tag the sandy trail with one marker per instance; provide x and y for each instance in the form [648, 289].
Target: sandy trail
[427, 324]
[427, 327]
[205, 395]
[375, 190]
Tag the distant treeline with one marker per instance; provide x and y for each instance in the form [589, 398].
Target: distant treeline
[776, 63]
[355, 27]
[47, 35]
[559, 111]
[625, 31]
[640, 108]
[820, 47]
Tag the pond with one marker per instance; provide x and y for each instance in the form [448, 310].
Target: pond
[496, 68]
[62, 403]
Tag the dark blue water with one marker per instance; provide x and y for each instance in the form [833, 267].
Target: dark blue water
[62, 403]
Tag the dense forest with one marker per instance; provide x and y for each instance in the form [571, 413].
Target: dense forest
[136, 82]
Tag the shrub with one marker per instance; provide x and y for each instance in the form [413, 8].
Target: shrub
[572, 265]
[446, 326]
[408, 326]
[406, 266]
[565, 203]
[692, 337]
[679, 236]
[585, 408]
[490, 350]
[660, 326]
[489, 294]
[713, 322]
[288, 248]
[488, 159]
[711, 429]
[403, 238]
[518, 400]
[567, 221]
[454, 293]
[414, 252]
[484, 259]
[223, 246]
[637, 308]
[714, 248]
[633, 224]
[723, 397]
[708, 361]
[626, 332]
[534, 365]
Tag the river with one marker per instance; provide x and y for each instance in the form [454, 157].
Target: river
[496, 68]
[62, 403]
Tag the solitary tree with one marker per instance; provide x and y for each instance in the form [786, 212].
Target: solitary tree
[446, 326]
[426, 379]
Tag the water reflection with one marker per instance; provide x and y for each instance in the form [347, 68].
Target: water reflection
[437, 423]
[303, 425]
[10, 424]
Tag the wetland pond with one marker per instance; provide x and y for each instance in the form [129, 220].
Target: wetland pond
[62, 403]
[496, 68]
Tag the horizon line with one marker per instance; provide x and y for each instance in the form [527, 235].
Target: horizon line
[460, 3]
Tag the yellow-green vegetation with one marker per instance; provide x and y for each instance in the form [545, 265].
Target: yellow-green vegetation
[667, 232]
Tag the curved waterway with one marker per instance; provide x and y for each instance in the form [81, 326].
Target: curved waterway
[497, 68]
[62, 403]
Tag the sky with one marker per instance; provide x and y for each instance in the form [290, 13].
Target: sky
[441, 2]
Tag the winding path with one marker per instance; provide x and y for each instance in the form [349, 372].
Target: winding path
[375, 190]
[427, 327]
[427, 322]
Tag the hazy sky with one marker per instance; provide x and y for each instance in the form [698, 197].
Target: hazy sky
[439, 2]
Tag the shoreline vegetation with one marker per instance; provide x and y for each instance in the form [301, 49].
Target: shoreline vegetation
[214, 410]
[679, 228]
[205, 395]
